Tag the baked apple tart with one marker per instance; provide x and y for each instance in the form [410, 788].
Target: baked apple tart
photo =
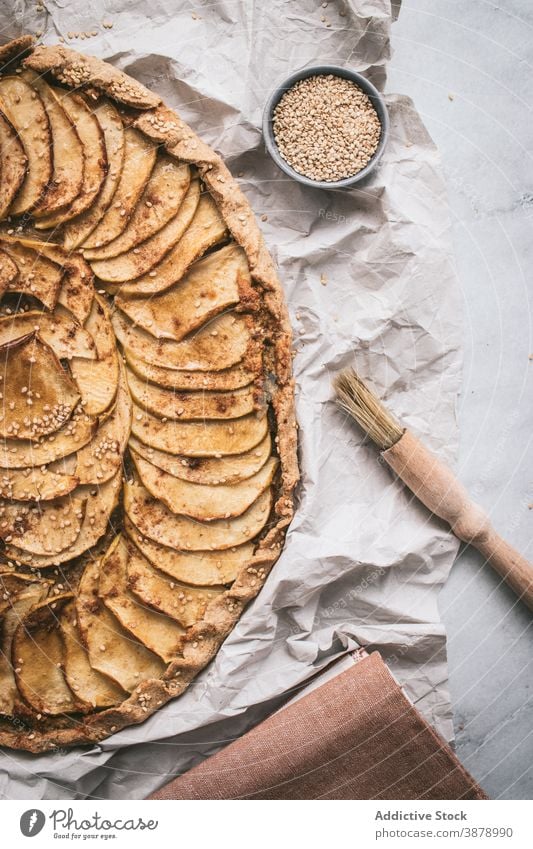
[148, 439]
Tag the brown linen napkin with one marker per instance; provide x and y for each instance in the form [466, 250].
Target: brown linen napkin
[355, 737]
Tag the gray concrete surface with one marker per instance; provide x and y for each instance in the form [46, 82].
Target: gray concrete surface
[469, 68]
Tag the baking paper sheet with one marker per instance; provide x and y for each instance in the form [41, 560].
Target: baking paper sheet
[369, 278]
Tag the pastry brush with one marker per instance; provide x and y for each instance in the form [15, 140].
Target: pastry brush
[433, 483]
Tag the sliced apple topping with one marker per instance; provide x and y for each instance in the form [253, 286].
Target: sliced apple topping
[199, 568]
[210, 287]
[160, 201]
[150, 586]
[154, 520]
[47, 528]
[219, 345]
[92, 687]
[228, 379]
[139, 160]
[25, 111]
[141, 342]
[76, 290]
[38, 397]
[159, 633]
[207, 228]
[8, 271]
[13, 164]
[112, 650]
[35, 484]
[211, 471]
[39, 653]
[61, 332]
[203, 501]
[140, 259]
[101, 501]
[37, 276]
[166, 404]
[197, 438]
[19, 593]
[26, 453]
[79, 228]
[94, 158]
[97, 380]
[101, 458]
[68, 155]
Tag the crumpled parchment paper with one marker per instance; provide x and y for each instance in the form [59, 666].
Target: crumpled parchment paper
[369, 278]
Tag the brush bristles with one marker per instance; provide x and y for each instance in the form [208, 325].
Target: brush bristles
[358, 401]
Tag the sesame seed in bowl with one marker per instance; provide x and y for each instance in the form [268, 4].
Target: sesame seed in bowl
[326, 127]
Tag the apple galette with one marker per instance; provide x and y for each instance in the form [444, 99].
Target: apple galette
[147, 452]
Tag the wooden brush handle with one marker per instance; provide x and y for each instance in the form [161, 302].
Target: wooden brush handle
[435, 485]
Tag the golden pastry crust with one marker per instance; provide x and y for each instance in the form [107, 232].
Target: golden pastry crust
[163, 126]
[16, 49]
[77, 71]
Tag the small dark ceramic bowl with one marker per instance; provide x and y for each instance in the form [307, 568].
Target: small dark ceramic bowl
[377, 102]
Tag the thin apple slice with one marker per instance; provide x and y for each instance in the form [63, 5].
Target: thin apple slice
[147, 254]
[235, 377]
[68, 157]
[76, 290]
[183, 406]
[97, 379]
[159, 202]
[157, 632]
[46, 528]
[183, 603]
[94, 158]
[101, 502]
[112, 651]
[13, 164]
[38, 649]
[8, 271]
[154, 520]
[25, 110]
[199, 439]
[35, 484]
[199, 568]
[220, 344]
[19, 594]
[86, 683]
[14, 585]
[210, 286]
[203, 501]
[139, 159]
[38, 396]
[22, 454]
[59, 331]
[208, 471]
[37, 276]
[78, 229]
[101, 458]
[207, 228]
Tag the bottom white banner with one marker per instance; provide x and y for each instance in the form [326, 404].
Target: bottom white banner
[259, 824]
